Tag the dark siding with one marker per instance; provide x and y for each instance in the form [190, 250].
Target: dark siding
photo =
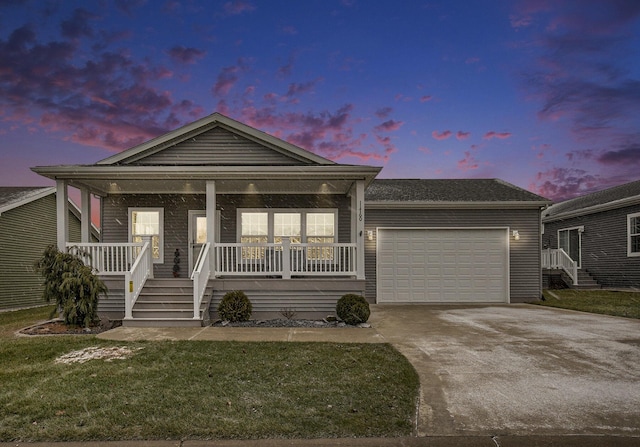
[176, 216]
[25, 232]
[604, 246]
[218, 147]
[524, 257]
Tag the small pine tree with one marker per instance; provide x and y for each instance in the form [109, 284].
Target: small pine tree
[71, 285]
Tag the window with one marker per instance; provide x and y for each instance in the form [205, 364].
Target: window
[321, 230]
[570, 240]
[254, 230]
[633, 231]
[148, 222]
[300, 226]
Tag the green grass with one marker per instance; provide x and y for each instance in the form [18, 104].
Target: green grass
[620, 304]
[202, 390]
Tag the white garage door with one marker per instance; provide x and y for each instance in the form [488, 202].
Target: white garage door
[443, 266]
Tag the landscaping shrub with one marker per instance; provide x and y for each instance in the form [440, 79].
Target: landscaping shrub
[353, 309]
[71, 285]
[234, 306]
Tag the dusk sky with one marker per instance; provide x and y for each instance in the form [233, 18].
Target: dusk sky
[544, 94]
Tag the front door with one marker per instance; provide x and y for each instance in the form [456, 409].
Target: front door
[197, 235]
[570, 240]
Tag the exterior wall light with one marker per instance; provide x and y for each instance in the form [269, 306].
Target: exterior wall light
[516, 235]
[370, 235]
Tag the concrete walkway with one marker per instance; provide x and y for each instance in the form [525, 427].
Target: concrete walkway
[336, 335]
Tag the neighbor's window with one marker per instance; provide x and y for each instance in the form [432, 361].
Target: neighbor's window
[148, 222]
[633, 225]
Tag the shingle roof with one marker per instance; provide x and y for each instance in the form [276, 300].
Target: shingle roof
[595, 200]
[12, 196]
[447, 191]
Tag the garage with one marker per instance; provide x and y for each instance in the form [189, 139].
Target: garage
[435, 265]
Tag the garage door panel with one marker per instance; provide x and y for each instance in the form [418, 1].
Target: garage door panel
[461, 265]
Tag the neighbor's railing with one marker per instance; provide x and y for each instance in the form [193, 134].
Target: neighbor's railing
[557, 258]
[285, 259]
[200, 278]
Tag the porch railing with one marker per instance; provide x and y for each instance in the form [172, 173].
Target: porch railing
[200, 278]
[557, 258]
[133, 260]
[107, 259]
[135, 278]
[285, 259]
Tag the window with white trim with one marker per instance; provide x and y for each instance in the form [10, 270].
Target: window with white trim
[314, 226]
[148, 222]
[633, 234]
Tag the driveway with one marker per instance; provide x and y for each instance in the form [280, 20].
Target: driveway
[518, 369]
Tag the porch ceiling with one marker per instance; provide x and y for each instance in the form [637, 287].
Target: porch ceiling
[103, 180]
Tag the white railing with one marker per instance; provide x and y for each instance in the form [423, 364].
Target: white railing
[200, 278]
[559, 259]
[135, 278]
[107, 259]
[285, 259]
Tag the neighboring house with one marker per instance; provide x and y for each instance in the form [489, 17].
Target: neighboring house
[601, 233]
[223, 206]
[27, 227]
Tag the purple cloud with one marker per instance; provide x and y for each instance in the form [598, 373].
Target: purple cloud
[441, 135]
[493, 134]
[78, 25]
[389, 126]
[185, 55]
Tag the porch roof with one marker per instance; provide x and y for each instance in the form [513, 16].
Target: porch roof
[314, 179]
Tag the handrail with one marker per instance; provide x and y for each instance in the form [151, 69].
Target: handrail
[557, 258]
[136, 277]
[200, 278]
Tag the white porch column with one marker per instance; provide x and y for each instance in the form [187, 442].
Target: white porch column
[211, 222]
[85, 219]
[357, 225]
[62, 214]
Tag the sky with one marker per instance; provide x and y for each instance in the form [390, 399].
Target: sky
[544, 94]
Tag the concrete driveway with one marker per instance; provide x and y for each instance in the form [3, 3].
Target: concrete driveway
[518, 369]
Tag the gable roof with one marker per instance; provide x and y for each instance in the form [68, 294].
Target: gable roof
[607, 199]
[175, 146]
[444, 193]
[14, 196]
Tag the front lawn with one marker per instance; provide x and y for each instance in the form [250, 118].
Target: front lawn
[202, 390]
[620, 304]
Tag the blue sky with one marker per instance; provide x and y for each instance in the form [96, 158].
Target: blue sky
[543, 94]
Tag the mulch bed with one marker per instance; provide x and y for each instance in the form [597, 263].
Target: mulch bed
[286, 323]
[57, 327]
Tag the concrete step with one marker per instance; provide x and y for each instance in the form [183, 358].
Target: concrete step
[164, 304]
[164, 313]
[154, 296]
[162, 322]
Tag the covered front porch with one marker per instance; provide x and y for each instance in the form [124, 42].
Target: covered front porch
[267, 231]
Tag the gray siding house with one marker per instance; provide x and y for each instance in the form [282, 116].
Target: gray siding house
[27, 227]
[601, 233]
[217, 206]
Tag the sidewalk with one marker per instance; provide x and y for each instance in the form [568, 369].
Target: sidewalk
[335, 335]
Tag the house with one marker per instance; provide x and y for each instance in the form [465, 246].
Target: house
[600, 232]
[218, 205]
[27, 227]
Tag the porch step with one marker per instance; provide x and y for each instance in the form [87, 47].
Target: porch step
[586, 281]
[167, 302]
[162, 322]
